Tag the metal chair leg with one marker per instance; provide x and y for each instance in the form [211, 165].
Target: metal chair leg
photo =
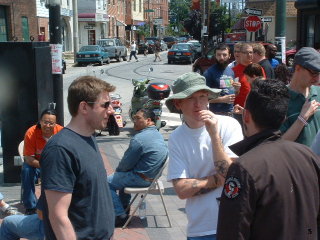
[164, 205]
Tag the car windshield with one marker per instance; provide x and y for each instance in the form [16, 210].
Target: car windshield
[182, 47]
[89, 48]
[106, 43]
[169, 39]
[150, 41]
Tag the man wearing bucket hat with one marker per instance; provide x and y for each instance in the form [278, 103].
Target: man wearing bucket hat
[199, 154]
[303, 119]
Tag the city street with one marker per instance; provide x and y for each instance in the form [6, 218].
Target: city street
[155, 226]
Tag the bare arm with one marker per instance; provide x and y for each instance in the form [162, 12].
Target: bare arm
[190, 187]
[224, 99]
[221, 160]
[58, 205]
[308, 109]
[32, 161]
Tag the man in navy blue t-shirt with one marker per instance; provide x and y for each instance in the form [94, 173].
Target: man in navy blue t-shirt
[76, 196]
[221, 76]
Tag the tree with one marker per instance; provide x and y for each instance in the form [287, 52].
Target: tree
[178, 11]
[218, 21]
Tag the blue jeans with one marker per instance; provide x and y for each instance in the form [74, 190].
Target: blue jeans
[22, 226]
[207, 237]
[29, 175]
[120, 180]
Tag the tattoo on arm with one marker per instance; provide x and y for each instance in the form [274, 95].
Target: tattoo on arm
[205, 190]
[222, 167]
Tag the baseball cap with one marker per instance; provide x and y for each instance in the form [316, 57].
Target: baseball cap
[309, 58]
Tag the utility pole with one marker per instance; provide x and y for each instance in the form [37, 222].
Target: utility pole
[75, 29]
[56, 52]
[281, 27]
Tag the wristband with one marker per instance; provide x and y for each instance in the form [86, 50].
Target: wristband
[303, 120]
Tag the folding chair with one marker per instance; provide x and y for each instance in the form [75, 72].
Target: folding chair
[155, 187]
[20, 151]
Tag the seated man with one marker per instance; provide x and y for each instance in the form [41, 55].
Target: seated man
[140, 164]
[35, 139]
[6, 209]
[23, 226]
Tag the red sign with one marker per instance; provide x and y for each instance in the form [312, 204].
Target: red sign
[252, 23]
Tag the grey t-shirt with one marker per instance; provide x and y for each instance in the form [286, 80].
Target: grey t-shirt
[72, 163]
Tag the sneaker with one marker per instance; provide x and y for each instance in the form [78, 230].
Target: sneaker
[129, 60]
[121, 220]
[30, 211]
[137, 60]
[12, 211]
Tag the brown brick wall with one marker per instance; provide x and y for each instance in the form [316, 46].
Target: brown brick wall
[17, 10]
[269, 7]
[44, 22]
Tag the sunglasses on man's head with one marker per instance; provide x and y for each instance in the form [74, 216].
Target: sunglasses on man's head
[104, 105]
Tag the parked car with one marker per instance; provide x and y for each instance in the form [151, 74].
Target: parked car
[182, 39]
[181, 52]
[197, 46]
[92, 54]
[164, 46]
[151, 45]
[170, 41]
[142, 46]
[204, 62]
[115, 48]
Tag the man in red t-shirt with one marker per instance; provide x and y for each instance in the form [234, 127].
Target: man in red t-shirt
[246, 56]
[35, 139]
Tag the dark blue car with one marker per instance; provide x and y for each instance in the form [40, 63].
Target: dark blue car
[92, 54]
[181, 52]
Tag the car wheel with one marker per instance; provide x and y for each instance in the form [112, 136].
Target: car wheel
[108, 61]
[119, 58]
[101, 62]
[290, 61]
[124, 58]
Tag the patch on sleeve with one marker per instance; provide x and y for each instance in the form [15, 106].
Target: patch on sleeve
[232, 187]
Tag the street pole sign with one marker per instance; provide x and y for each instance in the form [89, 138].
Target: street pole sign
[252, 23]
[253, 11]
[266, 19]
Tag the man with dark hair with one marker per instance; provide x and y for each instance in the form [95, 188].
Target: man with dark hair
[272, 190]
[303, 119]
[221, 76]
[77, 202]
[35, 140]
[259, 56]
[140, 163]
[271, 52]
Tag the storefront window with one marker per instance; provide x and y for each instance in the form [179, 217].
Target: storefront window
[3, 25]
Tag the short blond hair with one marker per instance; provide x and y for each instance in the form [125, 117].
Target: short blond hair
[259, 49]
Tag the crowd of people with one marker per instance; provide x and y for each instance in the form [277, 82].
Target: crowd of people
[241, 157]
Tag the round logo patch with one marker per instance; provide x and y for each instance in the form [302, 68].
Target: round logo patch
[232, 187]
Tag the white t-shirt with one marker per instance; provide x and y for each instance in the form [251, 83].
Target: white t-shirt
[190, 156]
[133, 47]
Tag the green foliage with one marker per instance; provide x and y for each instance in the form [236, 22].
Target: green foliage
[178, 12]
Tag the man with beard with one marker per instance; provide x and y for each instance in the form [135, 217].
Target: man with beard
[221, 76]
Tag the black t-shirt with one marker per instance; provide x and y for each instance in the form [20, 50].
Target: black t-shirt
[265, 64]
[72, 163]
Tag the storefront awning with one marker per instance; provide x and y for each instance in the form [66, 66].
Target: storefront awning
[119, 23]
[92, 17]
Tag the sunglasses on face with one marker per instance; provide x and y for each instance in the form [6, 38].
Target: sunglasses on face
[313, 73]
[51, 124]
[104, 105]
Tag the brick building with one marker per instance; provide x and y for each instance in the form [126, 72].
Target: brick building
[18, 21]
[116, 15]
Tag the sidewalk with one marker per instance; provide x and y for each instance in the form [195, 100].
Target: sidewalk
[155, 226]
